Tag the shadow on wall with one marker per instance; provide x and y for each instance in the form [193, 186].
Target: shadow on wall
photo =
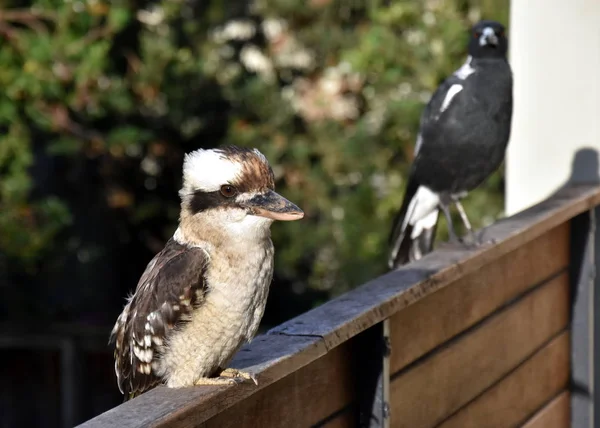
[584, 168]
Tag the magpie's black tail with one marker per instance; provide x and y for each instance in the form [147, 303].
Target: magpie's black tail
[414, 227]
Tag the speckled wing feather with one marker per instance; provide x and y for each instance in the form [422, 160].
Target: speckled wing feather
[170, 288]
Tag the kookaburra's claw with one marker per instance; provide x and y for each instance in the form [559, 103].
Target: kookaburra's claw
[216, 381]
[238, 374]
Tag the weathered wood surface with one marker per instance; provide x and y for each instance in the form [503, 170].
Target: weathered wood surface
[301, 341]
[521, 393]
[427, 393]
[345, 419]
[302, 399]
[432, 321]
[357, 310]
[555, 414]
[271, 358]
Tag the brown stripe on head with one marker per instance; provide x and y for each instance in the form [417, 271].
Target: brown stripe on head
[206, 172]
[256, 174]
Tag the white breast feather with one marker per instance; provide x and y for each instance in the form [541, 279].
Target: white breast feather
[229, 316]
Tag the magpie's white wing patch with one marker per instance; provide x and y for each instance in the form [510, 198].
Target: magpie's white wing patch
[419, 143]
[452, 92]
[422, 204]
[427, 222]
[421, 213]
[465, 70]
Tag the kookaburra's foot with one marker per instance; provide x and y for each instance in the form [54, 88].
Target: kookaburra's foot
[238, 374]
[218, 381]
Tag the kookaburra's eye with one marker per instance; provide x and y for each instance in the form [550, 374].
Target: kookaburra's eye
[228, 191]
[476, 34]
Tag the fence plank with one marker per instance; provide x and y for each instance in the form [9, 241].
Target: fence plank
[359, 309]
[305, 339]
[427, 393]
[585, 338]
[521, 393]
[271, 358]
[432, 321]
[554, 415]
[373, 375]
[345, 419]
[304, 398]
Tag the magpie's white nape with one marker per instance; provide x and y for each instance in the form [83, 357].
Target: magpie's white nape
[462, 140]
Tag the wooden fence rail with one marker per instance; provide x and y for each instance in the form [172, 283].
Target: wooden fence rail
[498, 336]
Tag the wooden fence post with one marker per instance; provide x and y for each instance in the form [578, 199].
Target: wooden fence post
[473, 332]
[585, 320]
[71, 372]
[374, 376]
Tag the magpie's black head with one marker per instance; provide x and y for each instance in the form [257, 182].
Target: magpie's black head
[488, 40]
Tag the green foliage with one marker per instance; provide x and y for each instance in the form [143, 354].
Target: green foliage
[331, 91]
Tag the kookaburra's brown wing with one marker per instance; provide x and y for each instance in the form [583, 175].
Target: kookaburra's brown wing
[170, 288]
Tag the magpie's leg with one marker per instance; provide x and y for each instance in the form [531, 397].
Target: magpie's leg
[451, 232]
[465, 220]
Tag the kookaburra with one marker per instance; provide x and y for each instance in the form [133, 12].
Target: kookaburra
[204, 294]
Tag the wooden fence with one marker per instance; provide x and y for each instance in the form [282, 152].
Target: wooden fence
[499, 336]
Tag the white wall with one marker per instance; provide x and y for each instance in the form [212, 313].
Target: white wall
[555, 57]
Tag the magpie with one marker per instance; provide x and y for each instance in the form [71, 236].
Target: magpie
[462, 139]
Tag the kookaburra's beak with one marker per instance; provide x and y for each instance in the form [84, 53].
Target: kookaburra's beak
[274, 206]
[488, 37]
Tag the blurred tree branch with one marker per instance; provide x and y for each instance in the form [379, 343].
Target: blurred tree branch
[101, 100]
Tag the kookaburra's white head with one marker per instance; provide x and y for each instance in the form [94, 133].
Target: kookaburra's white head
[228, 192]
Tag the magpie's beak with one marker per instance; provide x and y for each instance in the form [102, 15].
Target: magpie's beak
[488, 37]
[274, 206]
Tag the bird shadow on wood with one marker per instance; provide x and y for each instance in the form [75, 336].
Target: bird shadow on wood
[584, 170]
[583, 260]
[582, 275]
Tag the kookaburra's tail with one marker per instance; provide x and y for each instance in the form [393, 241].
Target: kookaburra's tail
[413, 230]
